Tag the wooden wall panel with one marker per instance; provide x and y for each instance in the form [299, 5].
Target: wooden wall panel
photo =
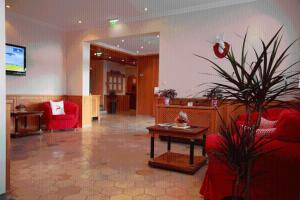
[123, 103]
[87, 111]
[147, 80]
[32, 102]
[35, 102]
[96, 77]
[78, 101]
[96, 106]
[198, 115]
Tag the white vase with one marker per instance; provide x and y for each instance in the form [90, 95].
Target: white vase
[167, 101]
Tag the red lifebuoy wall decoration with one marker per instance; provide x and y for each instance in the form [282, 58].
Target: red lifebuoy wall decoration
[225, 50]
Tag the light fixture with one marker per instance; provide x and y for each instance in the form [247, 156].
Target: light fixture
[142, 47]
[7, 6]
[123, 41]
[109, 57]
[157, 36]
[79, 22]
[118, 45]
[123, 60]
[145, 9]
[98, 54]
[137, 51]
[113, 21]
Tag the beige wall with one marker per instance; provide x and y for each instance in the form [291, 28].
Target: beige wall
[2, 99]
[45, 57]
[183, 35]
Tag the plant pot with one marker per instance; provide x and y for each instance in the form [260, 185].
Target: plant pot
[167, 101]
[232, 198]
[214, 103]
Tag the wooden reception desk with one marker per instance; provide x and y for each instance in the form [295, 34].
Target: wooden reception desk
[198, 115]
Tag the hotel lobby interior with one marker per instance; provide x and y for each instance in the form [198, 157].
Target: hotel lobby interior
[149, 100]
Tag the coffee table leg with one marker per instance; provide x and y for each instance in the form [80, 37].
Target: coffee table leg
[152, 147]
[16, 125]
[192, 145]
[169, 143]
[40, 123]
[203, 145]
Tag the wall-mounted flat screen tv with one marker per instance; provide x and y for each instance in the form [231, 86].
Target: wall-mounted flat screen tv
[15, 57]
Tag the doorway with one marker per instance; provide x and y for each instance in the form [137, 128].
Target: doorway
[124, 72]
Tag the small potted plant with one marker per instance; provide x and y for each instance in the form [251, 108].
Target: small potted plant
[21, 108]
[214, 95]
[168, 94]
[182, 119]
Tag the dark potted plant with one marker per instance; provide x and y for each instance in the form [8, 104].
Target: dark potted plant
[256, 85]
[214, 95]
[168, 94]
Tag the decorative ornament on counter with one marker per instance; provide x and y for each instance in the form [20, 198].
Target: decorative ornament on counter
[221, 48]
[182, 119]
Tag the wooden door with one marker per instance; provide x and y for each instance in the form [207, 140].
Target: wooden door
[148, 68]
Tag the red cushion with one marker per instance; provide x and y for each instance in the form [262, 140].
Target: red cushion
[63, 117]
[288, 127]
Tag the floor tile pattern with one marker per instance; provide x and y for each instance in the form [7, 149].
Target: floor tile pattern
[105, 162]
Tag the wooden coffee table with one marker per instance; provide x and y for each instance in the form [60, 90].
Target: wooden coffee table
[17, 115]
[188, 164]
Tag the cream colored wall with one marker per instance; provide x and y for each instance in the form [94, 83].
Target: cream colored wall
[46, 73]
[183, 35]
[2, 100]
[74, 47]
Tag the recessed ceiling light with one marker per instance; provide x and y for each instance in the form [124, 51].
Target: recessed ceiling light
[113, 21]
[145, 9]
[142, 47]
[7, 6]
[79, 22]
[123, 41]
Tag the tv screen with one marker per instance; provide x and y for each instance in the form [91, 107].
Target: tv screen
[15, 57]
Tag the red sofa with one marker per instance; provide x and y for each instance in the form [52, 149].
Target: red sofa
[59, 122]
[275, 176]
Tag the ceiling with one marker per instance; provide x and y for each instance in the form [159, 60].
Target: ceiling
[65, 14]
[135, 45]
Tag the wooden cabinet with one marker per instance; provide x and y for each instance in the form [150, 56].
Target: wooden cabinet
[115, 82]
[96, 106]
[204, 116]
[123, 103]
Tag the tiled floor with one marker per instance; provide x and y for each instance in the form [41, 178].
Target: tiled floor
[106, 162]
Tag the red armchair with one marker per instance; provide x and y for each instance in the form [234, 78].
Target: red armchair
[59, 122]
[275, 175]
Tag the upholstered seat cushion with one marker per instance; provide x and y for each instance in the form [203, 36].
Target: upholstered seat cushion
[288, 128]
[64, 117]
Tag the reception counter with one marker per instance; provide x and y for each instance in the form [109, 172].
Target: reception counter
[206, 116]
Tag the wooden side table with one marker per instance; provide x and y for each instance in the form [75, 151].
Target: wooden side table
[17, 115]
[188, 164]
